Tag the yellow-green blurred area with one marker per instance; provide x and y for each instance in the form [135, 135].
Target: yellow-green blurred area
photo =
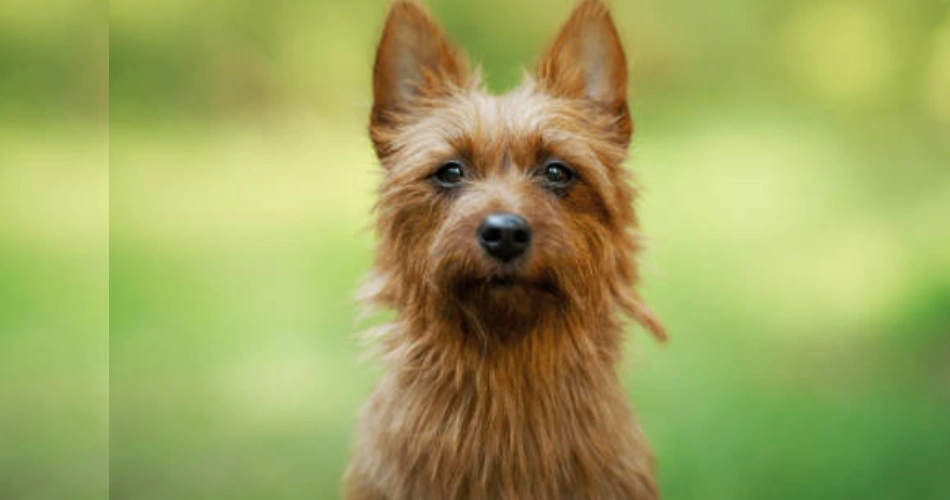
[795, 158]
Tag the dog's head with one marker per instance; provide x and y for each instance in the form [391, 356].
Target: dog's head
[503, 212]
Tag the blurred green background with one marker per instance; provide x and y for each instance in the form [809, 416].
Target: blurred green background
[194, 178]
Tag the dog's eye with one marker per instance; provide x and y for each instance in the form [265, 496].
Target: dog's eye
[558, 174]
[449, 174]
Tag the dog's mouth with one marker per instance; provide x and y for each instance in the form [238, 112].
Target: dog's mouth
[515, 281]
[504, 281]
[506, 304]
[500, 285]
[512, 284]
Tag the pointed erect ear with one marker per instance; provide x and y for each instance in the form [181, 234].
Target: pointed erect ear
[414, 59]
[586, 60]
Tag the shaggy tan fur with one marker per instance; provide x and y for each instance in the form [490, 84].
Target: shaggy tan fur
[500, 380]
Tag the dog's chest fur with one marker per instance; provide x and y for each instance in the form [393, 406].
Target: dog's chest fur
[543, 426]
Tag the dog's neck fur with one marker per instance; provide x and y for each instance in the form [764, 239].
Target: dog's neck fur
[540, 416]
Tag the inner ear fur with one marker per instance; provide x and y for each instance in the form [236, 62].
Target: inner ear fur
[586, 61]
[414, 60]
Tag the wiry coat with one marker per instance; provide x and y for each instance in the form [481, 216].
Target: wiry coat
[501, 379]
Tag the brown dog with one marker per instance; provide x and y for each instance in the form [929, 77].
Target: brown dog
[507, 240]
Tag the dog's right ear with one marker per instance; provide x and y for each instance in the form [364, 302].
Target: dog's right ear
[414, 60]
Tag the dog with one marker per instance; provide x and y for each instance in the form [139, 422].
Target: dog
[507, 241]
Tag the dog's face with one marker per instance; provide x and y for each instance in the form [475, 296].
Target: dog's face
[504, 212]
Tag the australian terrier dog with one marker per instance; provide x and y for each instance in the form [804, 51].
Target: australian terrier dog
[507, 239]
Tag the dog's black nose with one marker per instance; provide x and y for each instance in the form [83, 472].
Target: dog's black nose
[504, 236]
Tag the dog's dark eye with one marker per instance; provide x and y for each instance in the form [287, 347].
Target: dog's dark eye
[449, 174]
[558, 174]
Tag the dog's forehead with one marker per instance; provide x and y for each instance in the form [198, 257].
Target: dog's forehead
[520, 113]
[517, 112]
[522, 119]
[495, 130]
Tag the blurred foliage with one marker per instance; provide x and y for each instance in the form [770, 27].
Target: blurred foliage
[794, 156]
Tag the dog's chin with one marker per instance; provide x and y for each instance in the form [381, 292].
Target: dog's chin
[506, 304]
[507, 286]
[535, 291]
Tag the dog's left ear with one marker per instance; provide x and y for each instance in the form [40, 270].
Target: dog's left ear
[586, 61]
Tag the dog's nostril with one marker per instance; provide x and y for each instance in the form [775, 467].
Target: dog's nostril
[504, 236]
[492, 235]
[521, 236]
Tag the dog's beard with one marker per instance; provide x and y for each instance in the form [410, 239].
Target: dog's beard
[500, 306]
[491, 300]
